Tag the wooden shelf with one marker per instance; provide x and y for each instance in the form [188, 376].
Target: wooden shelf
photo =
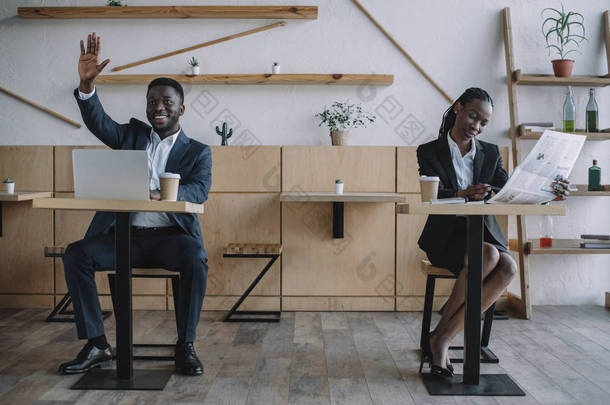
[24, 195]
[562, 247]
[591, 136]
[583, 192]
[345, 197]
[246, 12]
[480, 209]
[549, 80]
[248, 79]
[117, 205]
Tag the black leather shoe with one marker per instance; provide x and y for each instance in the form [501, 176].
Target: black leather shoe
[88, 358]
[186, 359]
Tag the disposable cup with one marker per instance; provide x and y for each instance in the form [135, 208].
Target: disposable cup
[429, 187]
[169, 186]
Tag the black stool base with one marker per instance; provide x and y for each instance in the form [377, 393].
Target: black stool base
[487, 356]
[105, 379]
[274, 316]
[489, 385]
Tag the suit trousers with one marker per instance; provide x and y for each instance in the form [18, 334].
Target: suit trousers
[169, 249]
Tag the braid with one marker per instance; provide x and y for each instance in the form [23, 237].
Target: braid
[472, 93]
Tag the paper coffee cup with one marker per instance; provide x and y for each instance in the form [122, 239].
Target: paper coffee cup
[429, 187]
[169, 186]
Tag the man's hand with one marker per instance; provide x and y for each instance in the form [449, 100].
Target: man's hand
[88, 68]
[475, 192]
[560, 189]
[155, 195]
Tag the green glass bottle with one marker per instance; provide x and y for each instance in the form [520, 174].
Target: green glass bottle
[569, 111]
[592, 118]
[595, 177]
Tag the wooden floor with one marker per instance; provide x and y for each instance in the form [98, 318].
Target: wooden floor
[562, 356]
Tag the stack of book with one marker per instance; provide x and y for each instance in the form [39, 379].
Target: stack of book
[595, 241]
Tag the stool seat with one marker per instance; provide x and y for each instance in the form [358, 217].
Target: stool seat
[252, 249]
[429, 270]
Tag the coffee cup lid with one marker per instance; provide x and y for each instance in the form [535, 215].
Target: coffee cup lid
[429, 178]
[169, 175]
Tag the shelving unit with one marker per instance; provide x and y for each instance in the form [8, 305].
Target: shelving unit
[515, 78]
[525, 133]
[584, 192]
[562, 247]
[243, 12]
[260, 78]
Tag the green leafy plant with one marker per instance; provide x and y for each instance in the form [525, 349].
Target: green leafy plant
[115, 3]
[224, 134]
[342, 116]
[338, 181]
[193, 61]
[8, 180]
[561, 29]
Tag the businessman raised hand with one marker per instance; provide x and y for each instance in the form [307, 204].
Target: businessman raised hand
[88, 67]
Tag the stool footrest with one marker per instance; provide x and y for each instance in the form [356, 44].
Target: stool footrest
[274, 316]
[487, 356]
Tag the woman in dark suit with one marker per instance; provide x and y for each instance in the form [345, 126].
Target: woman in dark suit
[468, 168]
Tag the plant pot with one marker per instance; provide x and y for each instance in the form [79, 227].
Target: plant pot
[338, 188]
[562, 67]
[339, 138]
[10, 187]
[194, 70]
[275, 69]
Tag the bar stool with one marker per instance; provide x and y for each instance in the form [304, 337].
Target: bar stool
[432, 273]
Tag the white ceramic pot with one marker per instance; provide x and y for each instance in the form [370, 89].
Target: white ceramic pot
[275, 69]
[194, 70]
[339, 138]
[338, 188]
[10, 187]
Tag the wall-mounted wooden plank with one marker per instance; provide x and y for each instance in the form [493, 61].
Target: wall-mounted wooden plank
[242, 12]
[256, 78]
[31, 167]
[360, 264]
[245, 168]
[362, 168]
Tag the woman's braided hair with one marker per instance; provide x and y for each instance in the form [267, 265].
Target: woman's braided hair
[473, 93]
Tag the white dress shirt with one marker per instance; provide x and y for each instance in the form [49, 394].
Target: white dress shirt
[463, 165]
[158, 152]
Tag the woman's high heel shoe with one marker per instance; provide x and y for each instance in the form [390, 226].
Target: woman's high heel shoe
[426, 357]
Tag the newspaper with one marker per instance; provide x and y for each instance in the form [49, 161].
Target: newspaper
[552, 157]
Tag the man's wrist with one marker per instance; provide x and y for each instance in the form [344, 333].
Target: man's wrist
[86, 86]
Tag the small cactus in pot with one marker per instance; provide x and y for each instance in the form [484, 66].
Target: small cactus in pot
[224, 134]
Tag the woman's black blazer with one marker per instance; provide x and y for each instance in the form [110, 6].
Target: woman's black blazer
[434, 159]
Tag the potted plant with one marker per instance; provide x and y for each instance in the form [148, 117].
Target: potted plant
[115, 3]
[562, 29]
[338, 186]
[9, 185]
[224, 134]
[342, 116]
[194, 63]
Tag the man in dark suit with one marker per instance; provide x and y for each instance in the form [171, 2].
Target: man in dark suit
[160, 240]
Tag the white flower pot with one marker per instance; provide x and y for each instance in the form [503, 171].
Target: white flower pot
[10, 187]
[339, 138]
[194, 70]
[338, 188]
[275, 69]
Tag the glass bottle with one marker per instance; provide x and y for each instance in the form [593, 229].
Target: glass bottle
[546, 232]
[569, 111]
[595, 177]
[592, 116]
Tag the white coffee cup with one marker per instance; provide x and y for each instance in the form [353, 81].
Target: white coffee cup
[429, 187]
[169, 183]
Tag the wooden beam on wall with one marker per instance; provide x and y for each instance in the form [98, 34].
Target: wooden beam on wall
[38, 106]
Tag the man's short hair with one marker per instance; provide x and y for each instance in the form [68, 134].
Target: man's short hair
[166, 81]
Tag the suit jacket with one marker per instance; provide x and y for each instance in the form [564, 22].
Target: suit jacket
[434, 159]
[189, 158]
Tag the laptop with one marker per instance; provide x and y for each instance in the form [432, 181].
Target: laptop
[110, 174]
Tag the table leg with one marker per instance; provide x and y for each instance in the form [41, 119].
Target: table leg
[0, 218]
[338, 208]
[472, 321]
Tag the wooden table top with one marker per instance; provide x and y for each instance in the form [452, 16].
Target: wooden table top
[480, 209]
[24, 195]
[312, 196]
[118, 205]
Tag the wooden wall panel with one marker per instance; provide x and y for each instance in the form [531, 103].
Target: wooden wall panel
[337, 303]
[26, 301]
[409, 279]
[246, 169]
[25, 233]
[315, 264]
[240, 218]
[64, 176]
[362, 168]
[30, 166]
[407, 170]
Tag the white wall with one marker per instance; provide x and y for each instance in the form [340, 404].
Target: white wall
[459, 43]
